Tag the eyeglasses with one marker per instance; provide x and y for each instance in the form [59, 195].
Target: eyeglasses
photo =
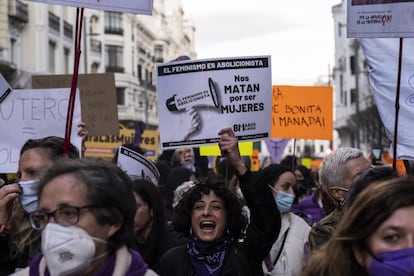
[339, 188]
[65, 216]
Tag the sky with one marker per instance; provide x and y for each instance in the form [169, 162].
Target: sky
[297, 34]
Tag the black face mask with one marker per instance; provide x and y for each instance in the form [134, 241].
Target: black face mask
[299, 189]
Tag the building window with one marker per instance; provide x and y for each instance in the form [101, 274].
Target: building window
[146, 77]
[120, 95]
[67, 29]
[94, 24]
[54, 22]
[114, 58]
[321, 148]
[158, 54]
[113, 23]
[66, 53]
[94, 68]
[352, 64]
[52, 55]
[346, 98]
[140, 72]
[13, 58]
[354, 96]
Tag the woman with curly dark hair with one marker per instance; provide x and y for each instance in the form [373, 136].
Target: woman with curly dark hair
[221, 242]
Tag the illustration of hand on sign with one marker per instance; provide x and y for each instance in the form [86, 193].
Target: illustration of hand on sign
[189, 105]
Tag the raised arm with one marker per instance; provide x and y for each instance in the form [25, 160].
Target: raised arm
[229, 148]
[265, 218]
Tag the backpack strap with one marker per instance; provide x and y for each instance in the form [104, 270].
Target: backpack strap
[281, 247]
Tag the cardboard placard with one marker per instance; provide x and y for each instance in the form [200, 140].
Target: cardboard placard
[98, 99]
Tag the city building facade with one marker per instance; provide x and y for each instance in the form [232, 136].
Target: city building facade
[356, 120]
[38, 39]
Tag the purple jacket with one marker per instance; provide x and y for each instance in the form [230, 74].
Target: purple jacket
[309, 209]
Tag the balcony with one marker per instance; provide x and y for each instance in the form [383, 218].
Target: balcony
[54, 22]
[113, 30]
[18, 11]
[115, 69]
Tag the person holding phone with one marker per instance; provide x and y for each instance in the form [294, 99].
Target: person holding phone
[376, 155]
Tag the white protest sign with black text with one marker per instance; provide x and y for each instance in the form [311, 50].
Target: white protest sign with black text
[197, 98]
[136, 165]
[380, 18]
[127, 6]
[31, 114]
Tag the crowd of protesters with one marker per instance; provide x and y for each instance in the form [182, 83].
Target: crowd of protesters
[69, 215]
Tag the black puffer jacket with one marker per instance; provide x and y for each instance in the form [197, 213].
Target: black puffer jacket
[245, 258]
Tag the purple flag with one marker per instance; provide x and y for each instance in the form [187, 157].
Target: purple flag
[276, 147]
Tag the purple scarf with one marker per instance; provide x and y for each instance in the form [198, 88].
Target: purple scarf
[137, 267]
[208, 258]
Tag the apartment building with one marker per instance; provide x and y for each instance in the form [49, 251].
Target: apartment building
[37, 38]
[356, 119]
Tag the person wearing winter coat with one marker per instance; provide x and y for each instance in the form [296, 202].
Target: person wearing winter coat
[211, 216]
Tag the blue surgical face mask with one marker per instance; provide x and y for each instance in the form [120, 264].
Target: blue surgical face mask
[393, 263]
[283, 200]
[28, 197]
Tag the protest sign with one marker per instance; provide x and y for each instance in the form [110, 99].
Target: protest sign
[137, 166]
[128, 6]
[304, 112]
[5, 88]
[245, 148]
[379, 18]
[104, 146]
[98, 99]
[150, 143]
[197, 98]
[31, 114]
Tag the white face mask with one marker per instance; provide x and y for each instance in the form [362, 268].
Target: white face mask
[67, 249]
[28, 198]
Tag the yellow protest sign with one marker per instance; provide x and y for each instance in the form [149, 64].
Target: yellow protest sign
[245, 148]
[150, 142]
[104, 146]
[304, 112]
[307, 162]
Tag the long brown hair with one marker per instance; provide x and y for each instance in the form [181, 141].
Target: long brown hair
[370, 209]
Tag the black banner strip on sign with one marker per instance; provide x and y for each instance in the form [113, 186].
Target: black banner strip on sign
[212, 65]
